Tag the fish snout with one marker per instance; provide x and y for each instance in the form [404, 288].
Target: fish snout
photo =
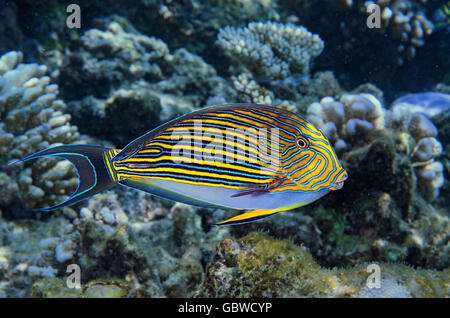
[340, 181]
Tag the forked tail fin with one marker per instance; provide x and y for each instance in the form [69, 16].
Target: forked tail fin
[89, 161]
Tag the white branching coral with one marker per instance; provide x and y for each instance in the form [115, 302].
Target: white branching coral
[32, 119]
[272, 50]
[250, 91]
[347, 121]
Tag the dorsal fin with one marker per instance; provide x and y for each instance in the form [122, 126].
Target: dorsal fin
[133, 147]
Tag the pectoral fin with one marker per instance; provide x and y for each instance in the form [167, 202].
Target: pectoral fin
[252, 189]
[248, 217]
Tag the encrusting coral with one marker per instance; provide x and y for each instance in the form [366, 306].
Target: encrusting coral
[32, 119]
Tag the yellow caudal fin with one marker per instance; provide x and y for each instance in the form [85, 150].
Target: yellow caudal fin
[248, 217]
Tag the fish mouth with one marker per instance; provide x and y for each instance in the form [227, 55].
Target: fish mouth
[340, 182]
[338, 185]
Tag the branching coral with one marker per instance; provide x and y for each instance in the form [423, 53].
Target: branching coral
[404, 24]
[250, 91]
[32, 119]
[272, 50]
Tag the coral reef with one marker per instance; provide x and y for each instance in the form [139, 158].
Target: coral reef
[194, 25]
[116, 69]
[125, 241]
[393, 159]
[272, 65]
[20, 263]
[152, 248]
[381, 215]
[32, 119]
[260, 266]
[403, 42]
[120, 76]
[349, 121]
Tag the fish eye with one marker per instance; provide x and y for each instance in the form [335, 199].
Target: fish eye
[302, 142]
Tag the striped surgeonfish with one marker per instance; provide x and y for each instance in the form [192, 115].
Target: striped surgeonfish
[253, 158]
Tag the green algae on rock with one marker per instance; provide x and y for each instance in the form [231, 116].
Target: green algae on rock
[58, 288]
[261, 266]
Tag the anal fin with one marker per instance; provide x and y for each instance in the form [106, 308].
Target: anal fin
[248, 217]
